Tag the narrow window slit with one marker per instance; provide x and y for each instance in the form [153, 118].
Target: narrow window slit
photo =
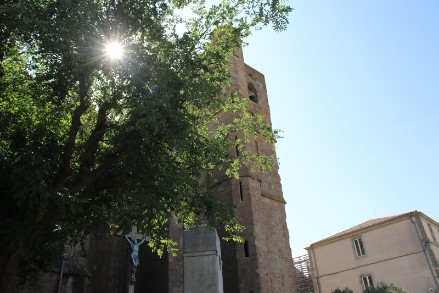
[236, 146]
[246, 251]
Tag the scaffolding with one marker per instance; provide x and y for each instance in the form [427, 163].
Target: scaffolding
[302, 269]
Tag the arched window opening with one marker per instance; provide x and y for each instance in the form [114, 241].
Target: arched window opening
[252, 93]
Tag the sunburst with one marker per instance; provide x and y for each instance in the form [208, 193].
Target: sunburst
[114, 50]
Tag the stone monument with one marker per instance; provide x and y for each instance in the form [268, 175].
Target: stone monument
[202, 261]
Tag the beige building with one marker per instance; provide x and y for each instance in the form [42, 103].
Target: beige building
[401, 249]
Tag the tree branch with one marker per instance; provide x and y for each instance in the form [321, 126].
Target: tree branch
[90, 149]
[80, 181]
[70, 144]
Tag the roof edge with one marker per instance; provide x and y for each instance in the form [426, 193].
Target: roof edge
[352, 231]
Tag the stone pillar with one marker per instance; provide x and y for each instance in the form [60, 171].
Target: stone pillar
[202, 261]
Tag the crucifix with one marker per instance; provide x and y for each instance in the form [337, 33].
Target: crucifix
[135, 240]
[135, 243]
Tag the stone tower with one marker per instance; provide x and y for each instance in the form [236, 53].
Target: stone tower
[263, 263]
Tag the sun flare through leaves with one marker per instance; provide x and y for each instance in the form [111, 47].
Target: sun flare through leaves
[114, 50]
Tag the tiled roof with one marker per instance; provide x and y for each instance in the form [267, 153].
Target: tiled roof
[365, 225]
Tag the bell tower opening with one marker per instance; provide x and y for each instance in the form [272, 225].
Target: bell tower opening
[252, 93]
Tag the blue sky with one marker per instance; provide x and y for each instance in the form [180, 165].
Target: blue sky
[354, 85]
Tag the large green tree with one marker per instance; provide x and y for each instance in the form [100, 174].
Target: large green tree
[90, 144]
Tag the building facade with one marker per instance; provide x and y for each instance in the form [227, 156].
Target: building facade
[401, 249]
[263, 263]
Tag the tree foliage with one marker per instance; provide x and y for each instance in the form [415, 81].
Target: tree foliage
[385, 288]
[89, 145]
[345, 290]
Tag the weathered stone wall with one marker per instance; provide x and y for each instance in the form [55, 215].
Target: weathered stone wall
[264, 262]
[176, 267]
[202, 261]
[108, 260]
[237, 269]
[68, 275]
[109, 267]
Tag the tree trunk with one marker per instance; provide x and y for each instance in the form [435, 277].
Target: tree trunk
[9, 270]
[15, 259]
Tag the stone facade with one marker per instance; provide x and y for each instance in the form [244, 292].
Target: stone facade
[202, 261]
[263, 263]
